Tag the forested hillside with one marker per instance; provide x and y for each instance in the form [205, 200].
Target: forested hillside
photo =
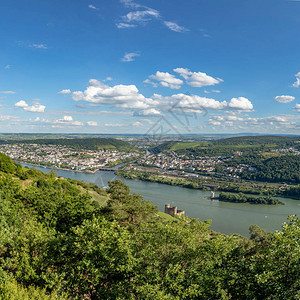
[83, 143]
[65, 239]
[268, 155]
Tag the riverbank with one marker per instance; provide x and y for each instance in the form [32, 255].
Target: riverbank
[110, 169]
[56, 168]
[205, 185]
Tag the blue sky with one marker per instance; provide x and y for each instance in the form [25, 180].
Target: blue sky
[121, 66]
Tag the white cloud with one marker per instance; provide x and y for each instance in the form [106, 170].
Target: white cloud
[166, 80]
[240, 103]
[214, 123]
[7, 117]
[137, 124]
[125, 96]
[60, 123]
[188, 103]
[296, 84]
[7, 92]
[7, 67]
[114, 125]
[154, 84]
[141, 15]
[130, 56]
[63, 92]
[67, 118]
[297, 107]
[130, 3]
[198, 104]
[108, 79]
[175, 27]
[148, 112]
[125, 25]
[129, 97]
[284, 99]
[197, 79]
[36, 107]
[91, 123]
[93, 7]
[21, 104]
[38, 46]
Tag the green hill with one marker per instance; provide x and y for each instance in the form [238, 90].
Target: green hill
[66, 239]
[83, 143]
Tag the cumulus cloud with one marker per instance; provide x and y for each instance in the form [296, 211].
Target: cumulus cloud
[148, 112]
[198, 104]
[68, 120]
[63, 92]
[21, 104]
[130, 56]
[214, 123]
[284, 99]
[297, 107]
[65, 121]
[197, 79]
[188, 103]
[166, 80]
[125, 96]
[36, 107]
[129, 97]
[240, 103]
[175, 27]
[296, 84]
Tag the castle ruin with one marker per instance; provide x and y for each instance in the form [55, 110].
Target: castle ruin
[173, 211]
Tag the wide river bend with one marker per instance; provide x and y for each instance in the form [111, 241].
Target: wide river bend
[226, 217]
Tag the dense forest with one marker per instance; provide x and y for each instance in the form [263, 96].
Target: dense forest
[83, 143]
[242, 198]
[66, 239]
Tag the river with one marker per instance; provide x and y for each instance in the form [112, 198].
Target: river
[226, 217]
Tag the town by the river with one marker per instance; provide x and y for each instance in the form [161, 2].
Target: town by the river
[226, 217]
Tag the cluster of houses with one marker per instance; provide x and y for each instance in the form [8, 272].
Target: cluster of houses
[179, 162]
[64, 157]
[290, 150]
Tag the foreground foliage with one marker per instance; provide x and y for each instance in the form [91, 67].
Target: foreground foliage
[57, 241]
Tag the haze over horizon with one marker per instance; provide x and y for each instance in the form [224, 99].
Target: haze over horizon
[123, 66]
